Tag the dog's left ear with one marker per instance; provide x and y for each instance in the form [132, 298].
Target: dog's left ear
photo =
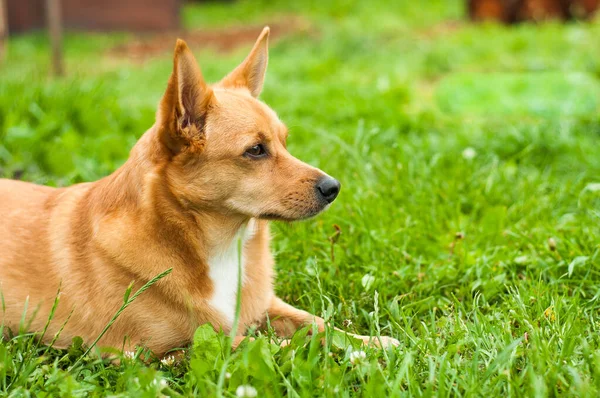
[251, 73]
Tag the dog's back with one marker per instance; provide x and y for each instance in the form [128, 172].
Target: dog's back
[25, 212]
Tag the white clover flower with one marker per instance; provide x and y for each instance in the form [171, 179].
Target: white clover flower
[161, 384]
[129, 355]
[246, 391]
[357, 357]
[168, 361]
[469, 153]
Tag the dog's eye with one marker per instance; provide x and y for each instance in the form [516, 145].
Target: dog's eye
[256, 151]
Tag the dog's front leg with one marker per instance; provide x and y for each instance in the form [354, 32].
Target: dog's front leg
[285, 320]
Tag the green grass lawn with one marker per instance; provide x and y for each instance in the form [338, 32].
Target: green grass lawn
[469, 157]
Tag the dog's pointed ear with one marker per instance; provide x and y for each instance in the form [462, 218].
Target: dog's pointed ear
[251, 72]
[182, 112]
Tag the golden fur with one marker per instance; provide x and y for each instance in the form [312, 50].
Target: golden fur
[183, 195]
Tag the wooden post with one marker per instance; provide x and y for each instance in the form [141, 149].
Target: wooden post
[3, 30]
[54, 20]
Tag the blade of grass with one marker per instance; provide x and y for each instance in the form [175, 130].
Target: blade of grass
[123, 308]
[236, 320]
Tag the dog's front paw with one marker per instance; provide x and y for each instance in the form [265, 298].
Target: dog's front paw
[381, 341]
[386, 342]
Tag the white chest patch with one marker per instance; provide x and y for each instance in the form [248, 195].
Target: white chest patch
[224, 268]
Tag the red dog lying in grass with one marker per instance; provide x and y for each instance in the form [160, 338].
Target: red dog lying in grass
[211, 172]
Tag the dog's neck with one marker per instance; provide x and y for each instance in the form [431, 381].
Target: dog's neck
[139, 187]
[218, 232]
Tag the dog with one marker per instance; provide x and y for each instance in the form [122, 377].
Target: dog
[204, 180]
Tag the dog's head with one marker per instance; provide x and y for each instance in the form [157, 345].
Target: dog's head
[226, 150]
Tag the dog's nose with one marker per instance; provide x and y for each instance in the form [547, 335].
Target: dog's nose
[329, 188]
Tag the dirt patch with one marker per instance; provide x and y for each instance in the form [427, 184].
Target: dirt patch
[142, 48]
[441, 29]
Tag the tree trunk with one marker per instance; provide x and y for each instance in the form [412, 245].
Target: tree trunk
[54, 20]
[3, 30]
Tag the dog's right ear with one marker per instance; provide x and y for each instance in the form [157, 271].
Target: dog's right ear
[182, 112]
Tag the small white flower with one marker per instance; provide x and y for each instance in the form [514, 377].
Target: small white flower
[161, 384]
[129, 355]
[246, 391]
[469, 153]
[168, 361]
[228, 375]
[357, 357]
[521, 260]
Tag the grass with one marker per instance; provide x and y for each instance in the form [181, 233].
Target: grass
[469, 214]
